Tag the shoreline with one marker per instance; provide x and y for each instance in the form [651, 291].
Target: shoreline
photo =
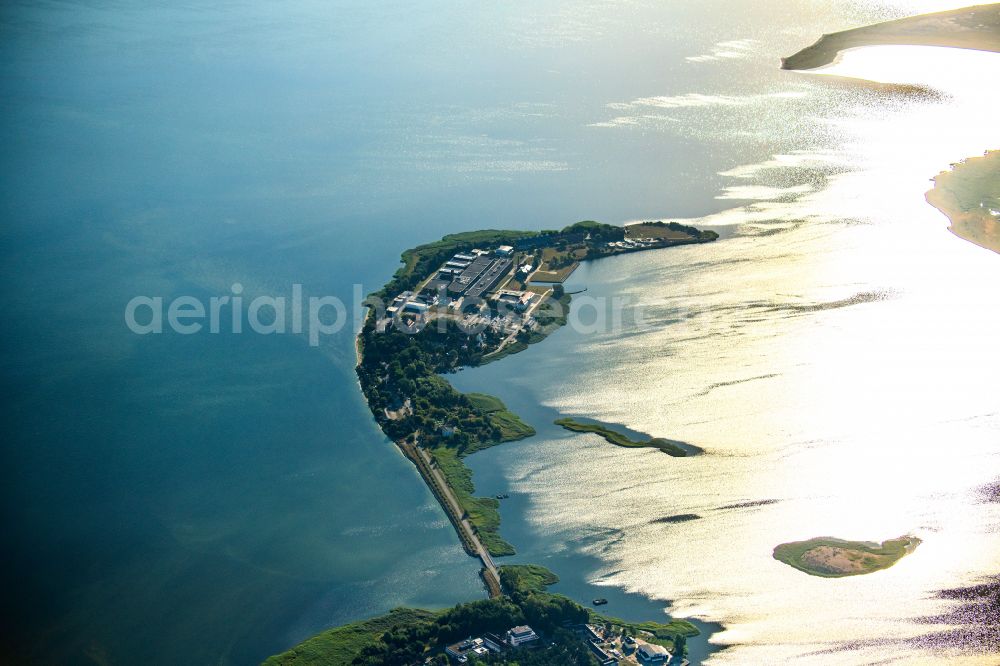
[578, 583]
[976, 28]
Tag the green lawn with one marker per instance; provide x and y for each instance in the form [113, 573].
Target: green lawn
[619, 439]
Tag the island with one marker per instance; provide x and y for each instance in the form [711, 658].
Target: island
[669, 446]
[969, 194]
[975, 27]
[829, 557]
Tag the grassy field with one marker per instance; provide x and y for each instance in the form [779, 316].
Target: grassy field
[558, 275]
[339, 646]
[550, 255]
[828, 557]
[618, 439]
[483, 512]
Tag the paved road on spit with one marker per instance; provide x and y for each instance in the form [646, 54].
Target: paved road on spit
[484, 554]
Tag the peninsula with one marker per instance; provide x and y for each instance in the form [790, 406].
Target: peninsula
[828, 557]
[975, 27]
[969, 194]
[469, 299]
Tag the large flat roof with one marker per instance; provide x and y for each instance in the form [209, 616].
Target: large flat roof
[489, 278]
[469, 275]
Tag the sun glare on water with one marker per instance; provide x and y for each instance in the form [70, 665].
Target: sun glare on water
[845, 376]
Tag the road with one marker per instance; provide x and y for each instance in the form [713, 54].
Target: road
[484, 554]
[439, 486]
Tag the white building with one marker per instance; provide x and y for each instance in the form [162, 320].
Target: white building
[653, 654]
[520, 635]
[505, 250]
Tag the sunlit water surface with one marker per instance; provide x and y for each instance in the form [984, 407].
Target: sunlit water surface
[836, 357]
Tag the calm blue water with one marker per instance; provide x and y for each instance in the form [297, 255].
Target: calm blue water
[216, 498]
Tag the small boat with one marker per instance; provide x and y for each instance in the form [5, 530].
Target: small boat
[504, 496]
[600, 602]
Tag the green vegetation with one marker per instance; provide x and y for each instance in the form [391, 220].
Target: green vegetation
[527, 577]
[396, 366]
[834, 558]
[552, 314]
[510, 424]
[341, 645]
[401, 375]
[409, 636]
[618, 439]
[532, 578]
[483, 512]
[665, 634]
[670, 231]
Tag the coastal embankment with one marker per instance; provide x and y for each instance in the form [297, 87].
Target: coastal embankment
[470, 540]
